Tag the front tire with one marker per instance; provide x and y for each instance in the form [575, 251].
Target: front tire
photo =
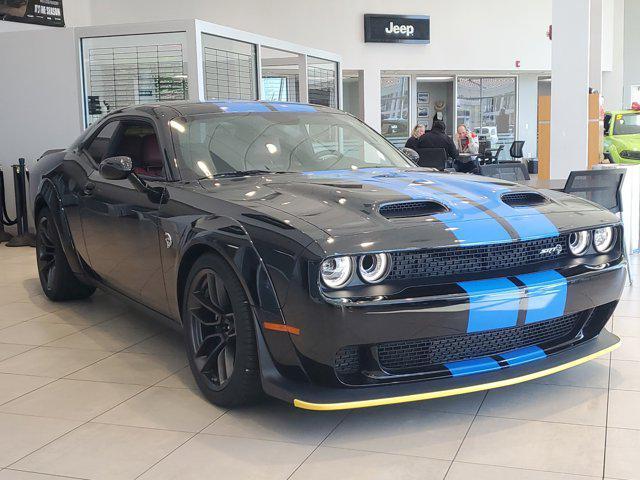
[58, 282]
[219, 334]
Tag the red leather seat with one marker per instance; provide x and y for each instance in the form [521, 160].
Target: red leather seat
[152, 163]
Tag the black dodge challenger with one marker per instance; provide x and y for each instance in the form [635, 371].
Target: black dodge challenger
[303, 256]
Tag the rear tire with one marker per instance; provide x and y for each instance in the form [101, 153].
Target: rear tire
[219, 334]
[56, 278]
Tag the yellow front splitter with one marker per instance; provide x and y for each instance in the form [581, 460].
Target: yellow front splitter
[376, 402]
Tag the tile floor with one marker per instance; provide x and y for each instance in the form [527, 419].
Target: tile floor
[93, 390]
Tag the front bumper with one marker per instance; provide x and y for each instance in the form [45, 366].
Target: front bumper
[313, 397]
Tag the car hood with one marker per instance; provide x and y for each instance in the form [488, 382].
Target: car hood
[626, 142]
[344, 207]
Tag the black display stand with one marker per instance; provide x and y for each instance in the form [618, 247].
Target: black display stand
[4, 218]
[23, 238]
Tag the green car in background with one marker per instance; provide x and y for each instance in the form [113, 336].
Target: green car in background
[622, 136]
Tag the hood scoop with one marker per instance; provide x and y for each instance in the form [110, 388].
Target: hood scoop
[420, 208]
[524, 199]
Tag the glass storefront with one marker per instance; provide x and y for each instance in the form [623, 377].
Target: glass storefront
[229, 68]
[130, 69]
[280, 75]
[487, 106]
[322, 78]
[394, 108]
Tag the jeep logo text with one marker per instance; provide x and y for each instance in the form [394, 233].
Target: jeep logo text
[406, 30]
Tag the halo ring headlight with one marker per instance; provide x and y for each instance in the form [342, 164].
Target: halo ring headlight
[374, 267]
[603, 239]
[336, 271]
[579, 242]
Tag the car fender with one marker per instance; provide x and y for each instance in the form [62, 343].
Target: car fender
[232, 241]
[48, 196]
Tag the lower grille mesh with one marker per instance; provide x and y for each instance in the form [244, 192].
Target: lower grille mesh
[396, 357]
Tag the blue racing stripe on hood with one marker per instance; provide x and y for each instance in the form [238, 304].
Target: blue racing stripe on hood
[546, 295]
[484, 229]
[493, 303]
[469, 367]
[527, 221]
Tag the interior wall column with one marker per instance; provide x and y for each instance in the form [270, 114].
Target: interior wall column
[371, 97]
[569, 86]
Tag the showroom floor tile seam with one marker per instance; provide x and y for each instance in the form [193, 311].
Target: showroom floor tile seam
[97, 381]
[486, 393]
[554, 422]
[83, 423]
[179, 446]
[555, 472]
[606, 431]
[43, 474]
[349, 413]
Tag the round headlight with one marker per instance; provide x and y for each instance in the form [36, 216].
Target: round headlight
[579, 242]
[603, 239]
[336, 272]
[374, 267]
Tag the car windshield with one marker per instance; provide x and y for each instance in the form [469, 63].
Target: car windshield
[627, 124]
[218, 144]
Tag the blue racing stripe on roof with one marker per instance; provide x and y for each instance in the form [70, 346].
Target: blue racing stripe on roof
[523, 355]
[469, 367]
[293, 107]
[546, 295]
[493, 303]
[245, 107]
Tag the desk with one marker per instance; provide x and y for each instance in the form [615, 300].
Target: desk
[554, 184]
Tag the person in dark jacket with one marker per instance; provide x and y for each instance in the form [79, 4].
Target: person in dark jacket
[438, 138]
[416, 133]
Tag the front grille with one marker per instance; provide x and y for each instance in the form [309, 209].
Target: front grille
[411, 209]
[630, 154]
[441, 262]
[411, 355]
[348, 360]
[524, 199]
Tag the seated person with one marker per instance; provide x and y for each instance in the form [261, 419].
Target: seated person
[438, 138]
[416, 133]
[466, 142]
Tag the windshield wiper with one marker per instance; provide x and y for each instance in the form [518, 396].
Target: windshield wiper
[240, 173]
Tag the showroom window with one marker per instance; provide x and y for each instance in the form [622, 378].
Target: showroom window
[132, 69]
[487, 106]
[394, 109]
[229, 68]
[280, 75]
[322, 78]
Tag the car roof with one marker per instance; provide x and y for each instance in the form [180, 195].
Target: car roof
[622, 112]
[187, 108]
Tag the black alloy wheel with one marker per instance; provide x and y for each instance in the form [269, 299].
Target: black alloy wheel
[56, 277]
[213, 332]
[46, 252]
[219, 333]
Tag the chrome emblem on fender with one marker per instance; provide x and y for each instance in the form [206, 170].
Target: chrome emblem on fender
[557, 250]
[168, 240]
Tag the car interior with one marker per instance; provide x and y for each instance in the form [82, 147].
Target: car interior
[133, 139]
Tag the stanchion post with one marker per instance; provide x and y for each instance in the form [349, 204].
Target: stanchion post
[4, 236]
[23, 238]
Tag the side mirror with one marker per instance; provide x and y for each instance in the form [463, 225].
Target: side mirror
[116, 168]
[411, 154]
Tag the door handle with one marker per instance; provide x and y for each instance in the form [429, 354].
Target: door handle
[89, 187]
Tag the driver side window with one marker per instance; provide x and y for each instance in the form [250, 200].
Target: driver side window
[99, 146]
[138, 141]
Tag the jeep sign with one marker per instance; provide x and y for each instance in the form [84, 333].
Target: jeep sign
[396, 28]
